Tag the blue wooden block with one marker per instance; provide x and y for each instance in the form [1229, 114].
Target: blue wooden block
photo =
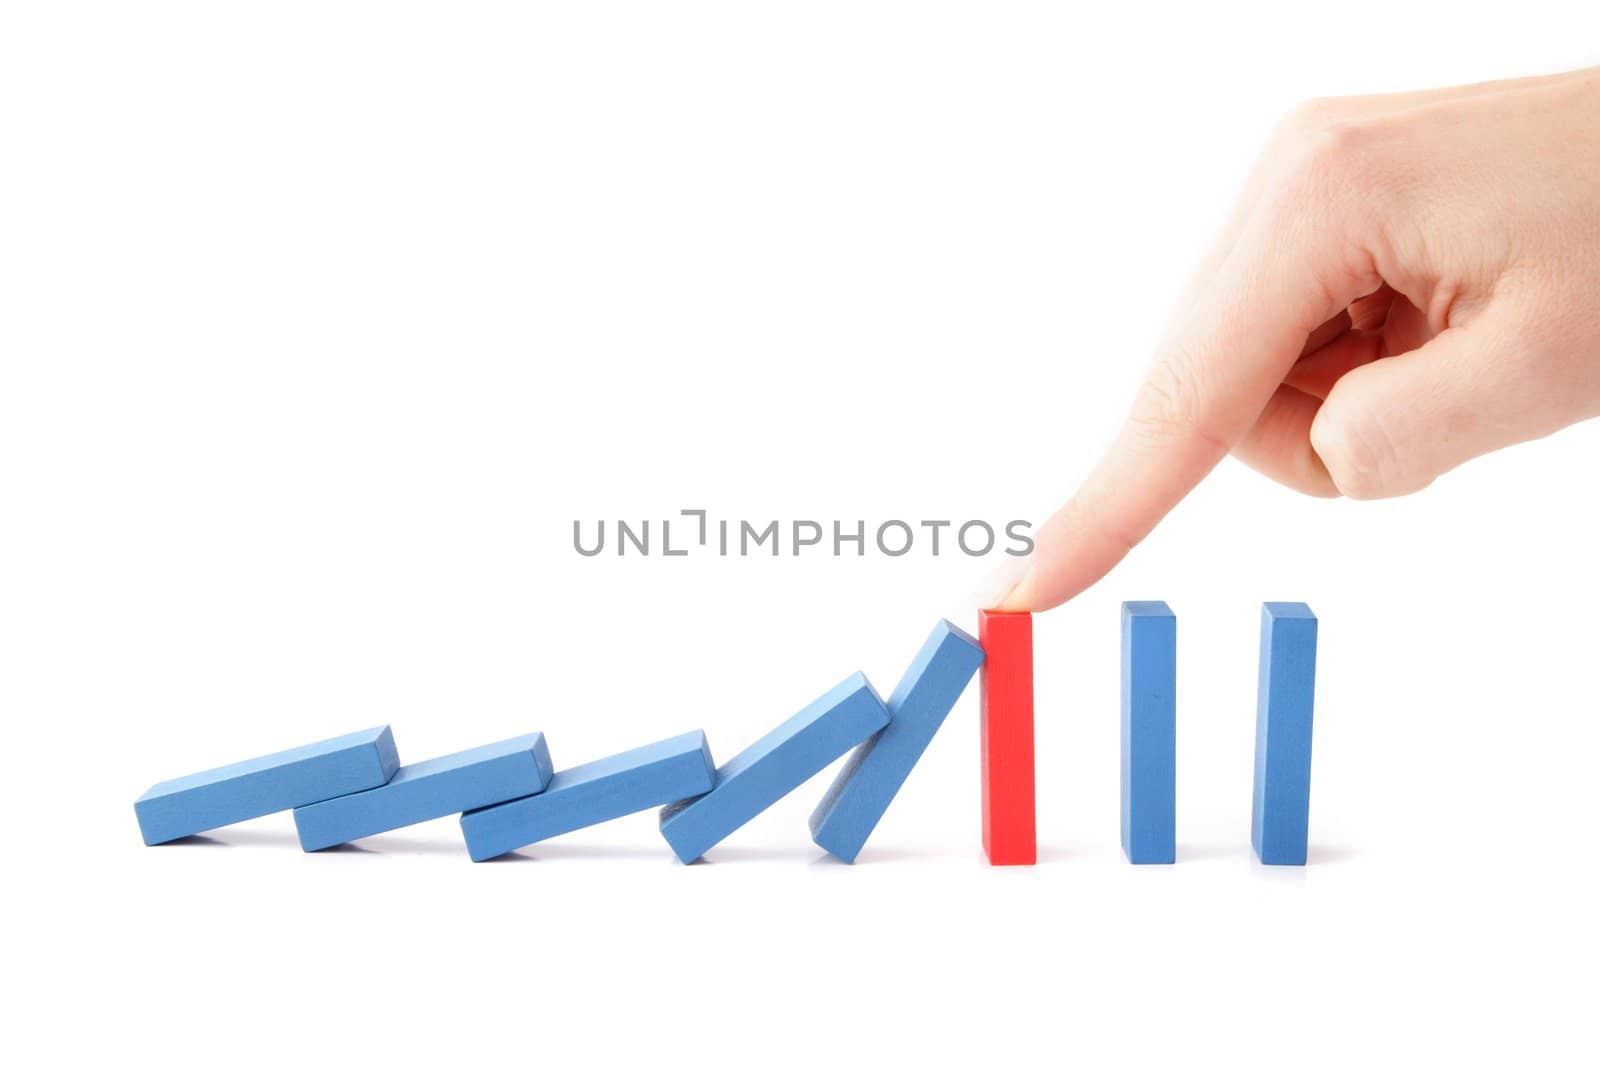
[431, 789]
[873, 775]
[1281, 811]
[758, 777]
[1149, 731]
[261, 786]
[648, 777]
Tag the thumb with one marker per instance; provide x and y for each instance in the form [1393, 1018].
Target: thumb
[1392, 426]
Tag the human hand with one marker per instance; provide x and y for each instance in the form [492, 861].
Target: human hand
[1408, 282]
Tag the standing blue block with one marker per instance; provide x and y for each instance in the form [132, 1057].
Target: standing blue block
[261, 786]
[1281, 811]
[667, 771]
[758, 777]
[431, 789]
[868, 783]
[1149, 731]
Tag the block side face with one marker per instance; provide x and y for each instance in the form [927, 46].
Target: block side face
[572, 804]
[634, 758]
[1281, 805]
[826, 823]
[433, 795]
[1150, 737]
[868, 784]
[222, 802]
[801, 754]
[693, 827]
[359, 741]
[664, 781]
[801, 721]
[865, 787]
[1005, 709]
[947, 653]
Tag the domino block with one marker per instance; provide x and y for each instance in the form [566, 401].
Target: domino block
[261, 786]
[868, 783]
[1005, 731]
[428, 790]
[648, 777]
[1281, 809]
[780, 762]
[1149, 731]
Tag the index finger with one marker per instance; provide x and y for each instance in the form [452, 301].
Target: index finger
[1288, 271]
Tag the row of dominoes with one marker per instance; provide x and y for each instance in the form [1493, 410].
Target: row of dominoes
[352, 787]
[1281, 802]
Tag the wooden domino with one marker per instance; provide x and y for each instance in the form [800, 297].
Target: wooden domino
[1005, 733]
[1280, 813]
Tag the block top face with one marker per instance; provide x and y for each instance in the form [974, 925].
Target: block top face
[854, 689]
[684, 744]
[374, 735]
[1146, 609]
[1286, 609]
[527, 743]
[1009, 623]
[1000, 616]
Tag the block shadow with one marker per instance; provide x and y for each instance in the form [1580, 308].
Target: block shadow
[567, 850]
[228, 838]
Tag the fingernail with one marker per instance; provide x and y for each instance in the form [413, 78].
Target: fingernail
[998, 585]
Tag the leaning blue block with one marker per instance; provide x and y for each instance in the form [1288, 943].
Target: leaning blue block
[428, 790]
[1149, 731]
[758, 777]
[1281, 810]
[647, 777]
[868, 783]
[261, 786]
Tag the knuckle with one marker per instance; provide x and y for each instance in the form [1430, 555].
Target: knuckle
[1358, 454]
[1327, 164]
[1309, 116]
[1330, 156]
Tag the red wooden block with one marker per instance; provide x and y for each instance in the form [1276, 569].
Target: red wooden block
[1006, 719]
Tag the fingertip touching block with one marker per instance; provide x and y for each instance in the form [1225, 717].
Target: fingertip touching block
[226, 795]
[1281, 810]
[1005, 731]
[429, 790]
[868, 782]
[780, 762]
[642, 778]
[1149, 731]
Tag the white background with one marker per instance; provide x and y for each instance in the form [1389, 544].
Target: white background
[321, 322]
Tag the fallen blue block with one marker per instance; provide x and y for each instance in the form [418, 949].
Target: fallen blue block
[758, 777]
[647, 777]
[428, 790]
[873, 775]
[1149, 731]
[261, 786]
[1281, 810]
